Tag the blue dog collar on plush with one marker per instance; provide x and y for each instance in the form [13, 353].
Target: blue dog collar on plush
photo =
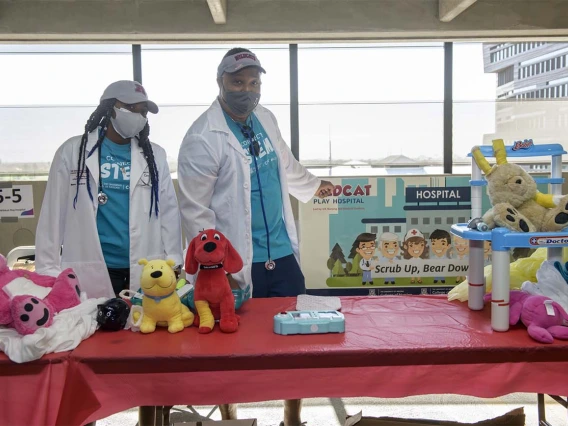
[158, 299]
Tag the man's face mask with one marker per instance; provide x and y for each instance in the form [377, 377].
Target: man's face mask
[241, 103]
[128, 124]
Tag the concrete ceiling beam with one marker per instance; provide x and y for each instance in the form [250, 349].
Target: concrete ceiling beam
[449, 9]
[218, 10]
[277, 21]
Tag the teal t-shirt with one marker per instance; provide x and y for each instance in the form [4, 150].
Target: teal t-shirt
[267, 164]
[113, 217]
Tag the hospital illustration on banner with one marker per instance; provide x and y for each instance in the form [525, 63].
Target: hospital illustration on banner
[427, 209]
[388, 235]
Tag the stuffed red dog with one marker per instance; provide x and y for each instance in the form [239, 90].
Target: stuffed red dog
[214, 255]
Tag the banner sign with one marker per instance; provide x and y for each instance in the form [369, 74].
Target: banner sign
[387, 235]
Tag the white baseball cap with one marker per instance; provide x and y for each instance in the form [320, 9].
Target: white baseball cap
[388, 237]
[233, 63]
[130, 92]
[413, 233]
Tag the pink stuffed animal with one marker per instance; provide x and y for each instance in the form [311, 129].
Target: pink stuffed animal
[533, 311]
[29, 300]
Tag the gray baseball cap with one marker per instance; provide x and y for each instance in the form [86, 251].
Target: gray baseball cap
[129, 92]
[233, 63]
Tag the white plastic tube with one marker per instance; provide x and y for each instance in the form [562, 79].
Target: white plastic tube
[475, 278]
[555, 253]
[500, 292]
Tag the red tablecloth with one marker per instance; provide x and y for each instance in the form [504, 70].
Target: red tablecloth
[31, 393]
[392, 347]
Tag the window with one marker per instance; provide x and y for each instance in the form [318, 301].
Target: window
[397, 229]
[414, 221]
[335, 118]
[41, 90]
[426, 221]
[186, 90]
[506, 76]
[374, 229]
[449, 220]
[461, 220]
[474, 93]
[386, 229]
[437, 221]
[334, 122]
[542, 115]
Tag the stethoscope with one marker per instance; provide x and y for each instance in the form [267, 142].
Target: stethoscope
[102, 198]
[254, 149]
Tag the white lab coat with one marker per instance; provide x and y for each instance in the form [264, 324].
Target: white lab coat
[215, 188]
[76, 228]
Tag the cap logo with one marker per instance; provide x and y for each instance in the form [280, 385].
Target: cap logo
[245, 55]
[140, 89]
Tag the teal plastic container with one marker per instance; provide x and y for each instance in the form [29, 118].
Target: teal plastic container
[241, 296]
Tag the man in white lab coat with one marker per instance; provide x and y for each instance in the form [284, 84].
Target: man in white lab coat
[235, 174]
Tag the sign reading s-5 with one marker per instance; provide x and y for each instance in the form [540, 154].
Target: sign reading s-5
[17, 201]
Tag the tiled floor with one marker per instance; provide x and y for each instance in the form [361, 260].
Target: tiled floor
[331, 412]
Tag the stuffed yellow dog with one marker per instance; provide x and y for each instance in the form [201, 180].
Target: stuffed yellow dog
[161, 304]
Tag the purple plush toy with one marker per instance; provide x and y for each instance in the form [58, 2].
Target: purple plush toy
[544, 318]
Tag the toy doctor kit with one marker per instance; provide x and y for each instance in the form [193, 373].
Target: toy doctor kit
[309, 322]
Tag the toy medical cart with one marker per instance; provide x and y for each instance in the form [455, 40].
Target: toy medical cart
[502, 239]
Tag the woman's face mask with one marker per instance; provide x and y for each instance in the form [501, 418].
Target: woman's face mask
[128, 124]
[241, 103]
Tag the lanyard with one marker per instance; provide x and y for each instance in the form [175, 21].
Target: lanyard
[254, 148]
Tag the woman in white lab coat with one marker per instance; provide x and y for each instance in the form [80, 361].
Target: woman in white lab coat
[109, 200]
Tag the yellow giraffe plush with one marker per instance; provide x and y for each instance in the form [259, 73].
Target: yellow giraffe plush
[517, 204]
[161, 304]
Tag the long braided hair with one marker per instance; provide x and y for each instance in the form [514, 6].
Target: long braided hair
[101, 118]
